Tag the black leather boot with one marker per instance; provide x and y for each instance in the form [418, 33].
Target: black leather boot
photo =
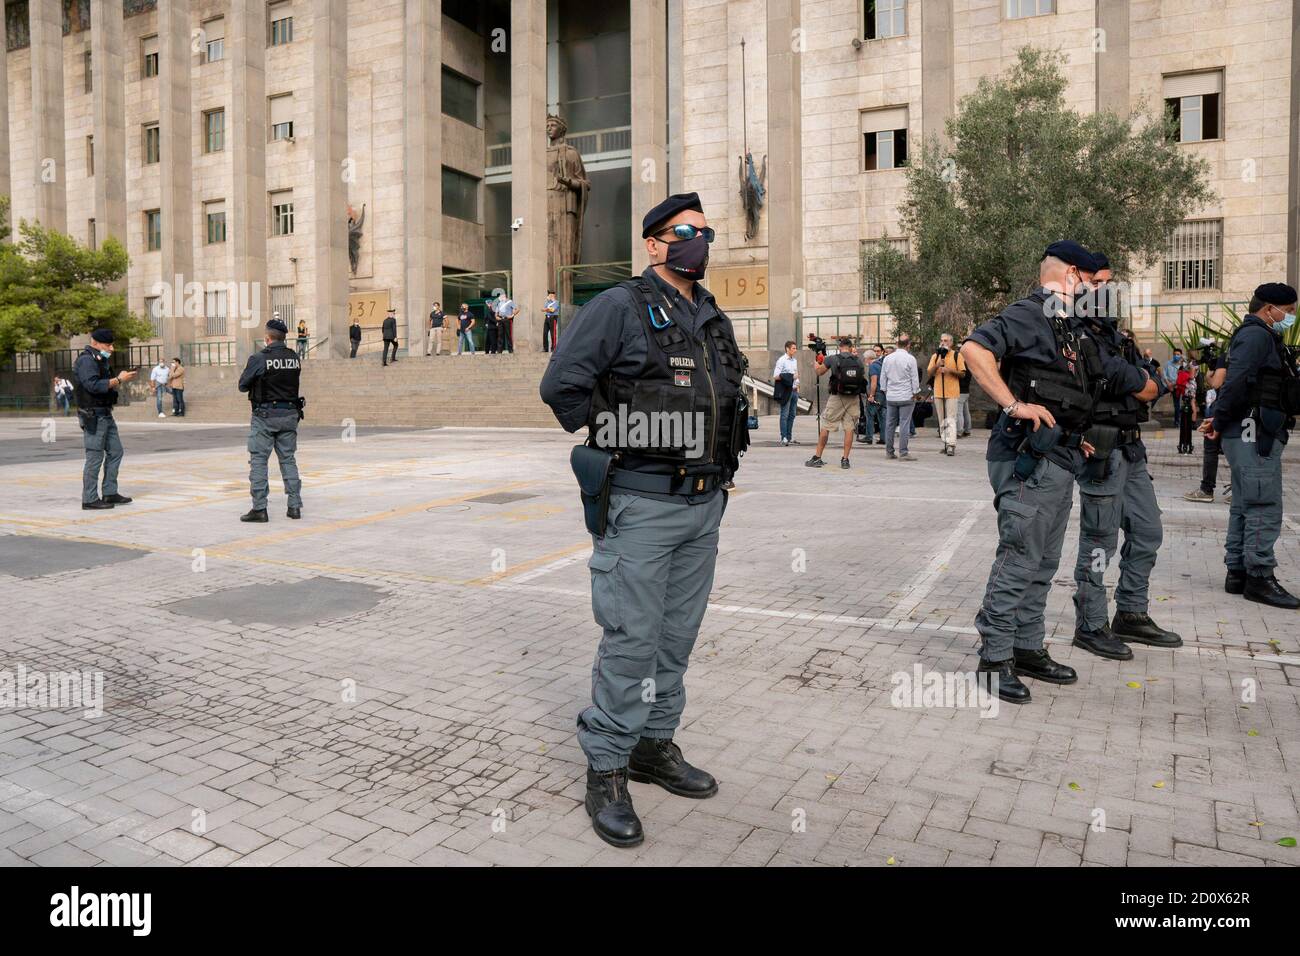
[1235, 582]
[117, 499]
[1264, 589]
[294, 512]
[660, 761]
[1038, 665]
[1002, 673]
[99, 504]
[1102, 643]
[1138, 628]
[257, 514]
[609, 804]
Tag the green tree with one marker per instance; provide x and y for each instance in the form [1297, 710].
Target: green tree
[1020, 170]
[52, 287]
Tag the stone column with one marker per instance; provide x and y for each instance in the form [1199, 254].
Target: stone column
[1111, 56]
[649, 116]
[246, 211]
[1293, 187]
[109, 104]
[936, 66]
[422, 142]
[176, 207]
[6, 188]
[528, 142]
[329, 149]
[49, 171]
[785, 173]
[676, 98]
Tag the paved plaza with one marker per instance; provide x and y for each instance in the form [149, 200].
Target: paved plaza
[395, 678]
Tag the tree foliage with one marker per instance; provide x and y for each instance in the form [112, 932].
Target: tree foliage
[1020, 170]
[52, 287]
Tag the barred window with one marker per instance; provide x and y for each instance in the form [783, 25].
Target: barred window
[153, 314]
[874, 276]
[282, 303]
[1194, 257]
[214, 312]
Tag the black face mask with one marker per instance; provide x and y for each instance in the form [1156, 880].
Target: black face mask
[689, 258]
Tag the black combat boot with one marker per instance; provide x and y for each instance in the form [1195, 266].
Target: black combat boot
[1235, 581]
[1038, 665]
[99, 504]
[1138, 628]
[660, 761]
[294, 512]
[609, 804]
[117, 499]
[1102, 643]
[257, 514]
[1264, 589]
[1009, 687]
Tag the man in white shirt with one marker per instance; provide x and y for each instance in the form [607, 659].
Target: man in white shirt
[158, 383]
[505, 310]
[787, 364]
[901, 380]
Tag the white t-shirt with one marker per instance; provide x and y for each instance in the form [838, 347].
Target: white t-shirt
[786, 364]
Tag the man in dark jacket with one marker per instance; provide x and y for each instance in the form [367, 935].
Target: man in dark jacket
[390, 335]
[354, 336]
[96, 390]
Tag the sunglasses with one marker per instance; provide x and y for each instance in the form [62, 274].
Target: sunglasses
[686, 231]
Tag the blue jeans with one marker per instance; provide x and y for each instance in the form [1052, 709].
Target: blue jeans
[159, 393]
[465, 343]
[898, 416]
[876, 420]
[788, 410]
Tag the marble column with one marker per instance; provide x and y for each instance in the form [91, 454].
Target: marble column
[176, 172]
[49, 171]
[422, 142]
[246, 212]
[5, 187]
[649, 63]
[1293, 187]
[529, 279]
[1111, 56]
[329, 148]
[936, 67]
[109, 104]
[785, 173]
[676, 97]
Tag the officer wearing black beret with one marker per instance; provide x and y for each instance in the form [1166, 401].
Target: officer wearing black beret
[652, 369]
[1254, 413]
[95, 387]
[271, 380]
[1053, 374]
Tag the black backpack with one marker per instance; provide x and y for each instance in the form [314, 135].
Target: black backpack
[849, 375]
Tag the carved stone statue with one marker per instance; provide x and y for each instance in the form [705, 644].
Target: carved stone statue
[354, 236]
[567, 187]
[753, 193]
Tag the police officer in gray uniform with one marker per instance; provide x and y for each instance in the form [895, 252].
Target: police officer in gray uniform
[271, 380]
[1053, 373]
[653, 502]
[1115, 491]
[95, 388]
[1254, 413]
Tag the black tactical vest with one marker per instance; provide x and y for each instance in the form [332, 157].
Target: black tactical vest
[1275, 387]
[86, 399]
[1069, 385]
[1124, 411]
[279, 382]
[688, 378]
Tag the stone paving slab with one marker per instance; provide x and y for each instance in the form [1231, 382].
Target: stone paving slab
[433, 723]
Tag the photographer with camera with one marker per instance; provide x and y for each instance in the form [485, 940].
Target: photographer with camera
[946, 370]
[848, 382]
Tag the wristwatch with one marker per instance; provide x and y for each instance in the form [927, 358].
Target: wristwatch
[1010, 409]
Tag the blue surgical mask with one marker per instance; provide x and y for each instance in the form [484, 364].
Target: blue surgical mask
[104, 355]
[1288, 320]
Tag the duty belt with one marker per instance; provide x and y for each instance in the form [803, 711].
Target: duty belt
[1128, 436]
[293, 406]
[663, 484]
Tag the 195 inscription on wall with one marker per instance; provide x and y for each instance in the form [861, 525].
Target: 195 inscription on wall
[738, 287]
[368, 309]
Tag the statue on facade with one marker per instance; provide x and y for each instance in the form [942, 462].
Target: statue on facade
[567, 187]
[753, 192]
[354, 236]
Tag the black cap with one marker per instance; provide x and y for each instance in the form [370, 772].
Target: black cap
[106, 335]
[1102, 260]
[670, 207]
[392, 308]
[1274, 293]
[276, 325]
[1071, 253]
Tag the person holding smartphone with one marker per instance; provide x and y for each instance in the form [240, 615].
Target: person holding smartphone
[96, 389]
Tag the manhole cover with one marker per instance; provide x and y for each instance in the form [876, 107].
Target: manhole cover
[502, 497]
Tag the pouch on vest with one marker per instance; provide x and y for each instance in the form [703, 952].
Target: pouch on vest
[592, 467]
[86, 419]
[1035, 446]
[1103, 439]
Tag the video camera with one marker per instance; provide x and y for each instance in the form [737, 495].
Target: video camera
[1209, 352]
[816, 343]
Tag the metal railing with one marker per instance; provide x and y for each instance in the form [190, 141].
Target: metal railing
[209, 353]
[1173, 318]
[133, 356]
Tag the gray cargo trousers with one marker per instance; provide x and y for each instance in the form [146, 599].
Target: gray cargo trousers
[1255, 516]
[275, 429]
[651, 575]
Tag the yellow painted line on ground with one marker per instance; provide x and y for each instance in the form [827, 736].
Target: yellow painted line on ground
[527, 565]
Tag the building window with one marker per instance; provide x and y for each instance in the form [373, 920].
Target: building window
[214, 40]
[90, 75]
[281, 23]
[153, 312]
[90, 155]
[152, 143]
[875, 284]
[1194, 258]
[214, 312]
[91, 242]
[884, 136]
[280, 109]
[886, 18]
[1017, 9]
[459, 97]
[459, 195]
[282, 302]
[214, 218]
[1195, 101]
[282, 213]
[152, 230]
[149, 50]
[214, 131]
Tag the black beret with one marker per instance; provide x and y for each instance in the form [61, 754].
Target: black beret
[1102, 260]
[1071, 253]
[102, 335]
[1274, 293]
[670, 207]
[276, 325]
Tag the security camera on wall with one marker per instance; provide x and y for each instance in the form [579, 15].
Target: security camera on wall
[517, 224]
